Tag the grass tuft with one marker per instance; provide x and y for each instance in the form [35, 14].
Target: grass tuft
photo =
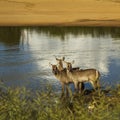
[22, 104]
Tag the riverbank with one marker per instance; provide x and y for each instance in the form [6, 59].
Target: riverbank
[87, 23]
[59, 13]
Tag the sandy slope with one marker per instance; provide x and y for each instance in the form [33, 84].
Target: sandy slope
[60, 12]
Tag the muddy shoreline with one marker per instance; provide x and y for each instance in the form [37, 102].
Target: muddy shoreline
[99, 23]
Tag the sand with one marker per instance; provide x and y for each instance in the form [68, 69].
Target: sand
[60, 12]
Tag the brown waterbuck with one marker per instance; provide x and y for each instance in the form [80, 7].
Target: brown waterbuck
[86, 75]
[62, 76]
[60, 68]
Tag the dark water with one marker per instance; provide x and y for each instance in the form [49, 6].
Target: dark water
[25, 53]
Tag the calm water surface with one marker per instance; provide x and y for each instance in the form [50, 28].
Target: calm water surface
[25, 53]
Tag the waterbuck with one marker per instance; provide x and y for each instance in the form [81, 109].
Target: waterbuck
[86, 75]
[60, 68]
[62, 76]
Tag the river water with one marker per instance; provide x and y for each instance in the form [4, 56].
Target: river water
[25, 53]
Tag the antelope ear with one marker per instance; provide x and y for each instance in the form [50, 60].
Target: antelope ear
[63, 58]
[50, 64]
[73, 62]
[57, 59]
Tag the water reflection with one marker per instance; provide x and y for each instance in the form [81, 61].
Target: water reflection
[10, 35]
[93, 31]
[25, 53]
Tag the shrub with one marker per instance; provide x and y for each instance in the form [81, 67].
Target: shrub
[22, 104]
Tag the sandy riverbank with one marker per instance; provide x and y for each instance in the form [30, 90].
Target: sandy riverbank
[60, 12]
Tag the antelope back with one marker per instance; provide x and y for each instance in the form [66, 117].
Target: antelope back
[86, 74]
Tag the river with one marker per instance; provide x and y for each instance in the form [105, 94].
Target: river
[25, 53]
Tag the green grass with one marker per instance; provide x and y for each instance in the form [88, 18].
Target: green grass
[22, 104]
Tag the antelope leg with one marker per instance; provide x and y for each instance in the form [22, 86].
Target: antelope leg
[81, 87]
[63, 89]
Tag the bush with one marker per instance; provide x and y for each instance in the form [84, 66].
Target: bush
[22, 104]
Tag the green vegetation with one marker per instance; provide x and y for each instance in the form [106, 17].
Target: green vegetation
[22, 104]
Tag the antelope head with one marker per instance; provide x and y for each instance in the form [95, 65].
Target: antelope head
[54, 69]
[69, 65]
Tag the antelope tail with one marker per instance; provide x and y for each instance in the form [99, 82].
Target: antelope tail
[97, 74]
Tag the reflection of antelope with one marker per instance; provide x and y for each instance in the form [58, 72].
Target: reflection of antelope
[62, 77]
[87, 75]
[60, 67]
